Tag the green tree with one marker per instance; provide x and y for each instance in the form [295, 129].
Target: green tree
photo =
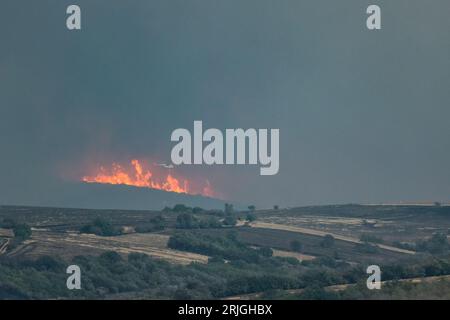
[22, 231]
[197, 210]
[101, 227]
[229, 209]
[327, 242]
[230, 221]
[186, 221]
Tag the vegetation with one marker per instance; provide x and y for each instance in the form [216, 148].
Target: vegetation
[228, 247]
[240, 260]
[157, 223]
[189, 221]
[366, 247]
[365, 237]
[296, 246]
[229, 209]
[328, 241]
[101, 227]
[230, 221]
[438, 243]
[22, 231]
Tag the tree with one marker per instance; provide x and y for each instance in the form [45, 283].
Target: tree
[8, 223]
[250, 217]
[266, 251]
[438, 243]
[101, 227]
[228, 208]
[328, 241]
[181, 208]
[251, 208]
[275, 207]
[22, 231]
[230, 221]
[197, 210]
[186, 221]
[296, 245]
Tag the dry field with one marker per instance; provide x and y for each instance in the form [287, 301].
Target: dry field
[68, 245]
[7, 233]
[340, 287]
[298, 256]
[276, 226]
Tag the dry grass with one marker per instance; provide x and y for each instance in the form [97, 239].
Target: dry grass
[298, 256]
[7, 233]
[68, 245]
[320, 233]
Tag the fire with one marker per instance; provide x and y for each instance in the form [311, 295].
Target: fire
[137, 174]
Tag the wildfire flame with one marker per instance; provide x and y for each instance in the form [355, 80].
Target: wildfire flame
[138, 175]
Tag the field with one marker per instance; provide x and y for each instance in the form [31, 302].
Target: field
[440, 280]
[69, 245]
[410, 242]
[56, 231]
[391, 223]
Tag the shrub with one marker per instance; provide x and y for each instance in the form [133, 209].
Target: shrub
[22, 231]
[296, 245]
[230, 221]
[327, 242]
[101, 227]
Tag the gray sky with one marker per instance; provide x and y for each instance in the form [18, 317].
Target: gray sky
[363, 116]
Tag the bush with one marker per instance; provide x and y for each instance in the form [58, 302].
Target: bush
[224, 247]
[101, 227]
[155, 224]
[327, 242]
[22, 231]
[366, 247]
[295, 246]
[197, 210]
[438, 243]
[7, 223]
[230, 221]
[210, 223]
[266, 251]
[186, 221]
[49, 264]
[370, 238]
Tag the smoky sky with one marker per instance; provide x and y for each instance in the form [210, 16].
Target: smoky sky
[363, 115]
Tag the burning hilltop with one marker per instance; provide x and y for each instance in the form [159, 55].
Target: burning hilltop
[139, 174]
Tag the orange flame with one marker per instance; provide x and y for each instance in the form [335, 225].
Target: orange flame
[138, 176]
